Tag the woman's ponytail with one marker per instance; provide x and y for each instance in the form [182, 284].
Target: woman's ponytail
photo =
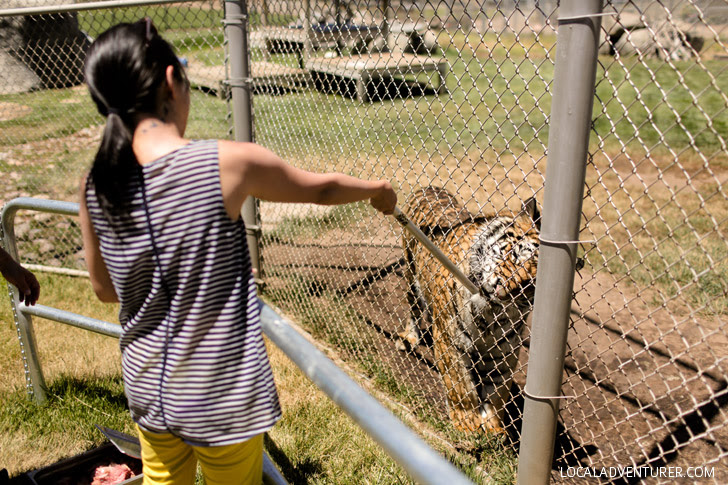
[113, 165]
[125, 68]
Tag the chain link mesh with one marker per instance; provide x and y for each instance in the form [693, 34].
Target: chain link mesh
[455, 94]
[49, 127]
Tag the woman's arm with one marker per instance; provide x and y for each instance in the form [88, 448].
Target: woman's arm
[249, 169]
[100, 279]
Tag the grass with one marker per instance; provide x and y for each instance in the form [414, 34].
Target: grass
[46, 153]
[82, 370]
[503, 103]
[315, 442]
[55, 113]
[656, 105]
[331, 320]
[165, 17]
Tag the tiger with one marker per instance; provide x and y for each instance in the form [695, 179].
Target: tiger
[476, 339]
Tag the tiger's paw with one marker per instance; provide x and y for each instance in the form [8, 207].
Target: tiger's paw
[474, 422]
[407, 341]
[492, 420]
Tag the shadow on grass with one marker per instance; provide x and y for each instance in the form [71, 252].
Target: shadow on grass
[75, 405]
[299, 473]
[386, 88]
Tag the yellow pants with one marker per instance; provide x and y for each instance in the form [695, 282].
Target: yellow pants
[167, 460]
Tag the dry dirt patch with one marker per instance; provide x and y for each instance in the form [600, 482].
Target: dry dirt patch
[649, 383]
[11, 111]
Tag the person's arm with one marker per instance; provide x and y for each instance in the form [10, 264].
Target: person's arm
[25, 281]
[249, 169]
[100, 279]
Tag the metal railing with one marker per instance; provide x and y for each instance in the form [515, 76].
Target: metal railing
[408, 450]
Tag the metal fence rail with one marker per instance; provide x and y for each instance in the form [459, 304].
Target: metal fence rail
[413, 454]
[458, 95]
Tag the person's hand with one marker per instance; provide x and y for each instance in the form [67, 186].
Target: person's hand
[386, 200]
[25, 281]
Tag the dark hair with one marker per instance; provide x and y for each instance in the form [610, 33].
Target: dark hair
[125, 67]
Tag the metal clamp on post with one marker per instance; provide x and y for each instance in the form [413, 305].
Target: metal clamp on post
[242, 82]
[253, 230]
[544, 398]
[588, 16]
[235, 19]
[556, 243]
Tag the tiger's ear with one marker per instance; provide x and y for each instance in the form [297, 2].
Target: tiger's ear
[530, 208]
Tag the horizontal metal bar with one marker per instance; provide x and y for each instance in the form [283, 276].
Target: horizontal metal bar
[77, 7]
[404, 446]
[588, 16]
[239, 19]
[243, 82]
[42, 268]
[271, 474]
[73, 319]
[44, 205]
[415, 456]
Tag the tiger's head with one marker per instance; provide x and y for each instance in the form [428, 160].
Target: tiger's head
[504, 256]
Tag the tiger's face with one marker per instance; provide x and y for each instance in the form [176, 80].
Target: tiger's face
[504, 256]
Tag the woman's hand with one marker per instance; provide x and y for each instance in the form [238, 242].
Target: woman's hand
[386, 200]
[21, 278]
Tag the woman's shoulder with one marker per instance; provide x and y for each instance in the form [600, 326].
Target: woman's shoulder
[235, 148]
[236, 156]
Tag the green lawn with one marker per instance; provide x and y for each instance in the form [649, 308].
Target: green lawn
[315, 442]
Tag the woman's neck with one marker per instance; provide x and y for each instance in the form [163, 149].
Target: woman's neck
[154, 138]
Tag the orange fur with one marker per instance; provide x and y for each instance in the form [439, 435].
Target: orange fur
[473, 340]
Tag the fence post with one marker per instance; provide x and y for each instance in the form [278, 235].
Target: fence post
[34, 380]
[569, 127]
[241, 90]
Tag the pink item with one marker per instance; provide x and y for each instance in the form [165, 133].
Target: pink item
[112, 474]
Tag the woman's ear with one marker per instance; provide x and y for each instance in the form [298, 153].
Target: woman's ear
[170, 81]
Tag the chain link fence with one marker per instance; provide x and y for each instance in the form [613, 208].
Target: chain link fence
[454, 94]
[646, 364]
[49, 127]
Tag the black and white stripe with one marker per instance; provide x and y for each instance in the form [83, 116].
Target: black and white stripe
[194, 361]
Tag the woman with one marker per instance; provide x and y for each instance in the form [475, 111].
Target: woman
[162, 232]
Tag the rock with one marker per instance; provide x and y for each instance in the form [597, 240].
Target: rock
[45, 246]
[639, 41]
[40, 51]
[667, 43]
[409, 37]
[655, 32]
[15, 77]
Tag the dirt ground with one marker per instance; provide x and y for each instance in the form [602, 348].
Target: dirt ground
[649, 384]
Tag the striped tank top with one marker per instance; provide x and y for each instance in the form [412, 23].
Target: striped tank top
[193, 358]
